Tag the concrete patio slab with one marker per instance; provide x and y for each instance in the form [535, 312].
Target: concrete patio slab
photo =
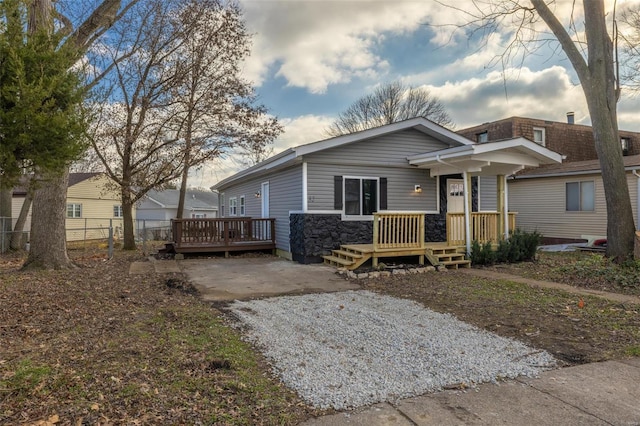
[246, 278]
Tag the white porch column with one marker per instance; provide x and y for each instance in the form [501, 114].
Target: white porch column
[467, 206]
[506, 208]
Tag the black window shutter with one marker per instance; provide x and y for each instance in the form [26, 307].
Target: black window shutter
[337, 192]
[383, 193]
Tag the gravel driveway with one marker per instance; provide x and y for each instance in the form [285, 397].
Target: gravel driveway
[354, 348]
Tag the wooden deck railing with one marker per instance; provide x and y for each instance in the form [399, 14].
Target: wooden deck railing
[223, 234]
[398, 230]
[484, 227]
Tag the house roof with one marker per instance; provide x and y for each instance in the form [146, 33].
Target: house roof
[195, 199]
[631, 162]
[294, 154]
[74, 179]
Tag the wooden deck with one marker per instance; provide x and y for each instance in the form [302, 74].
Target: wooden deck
[223, 235]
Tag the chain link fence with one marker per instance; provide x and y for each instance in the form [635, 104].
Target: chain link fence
[101, 234]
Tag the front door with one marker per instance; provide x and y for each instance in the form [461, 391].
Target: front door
[455, 196]
[265, 199]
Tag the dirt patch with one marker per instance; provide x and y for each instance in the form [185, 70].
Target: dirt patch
[95, 345]
[544, 318]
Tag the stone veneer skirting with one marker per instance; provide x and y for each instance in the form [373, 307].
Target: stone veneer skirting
[314, 235]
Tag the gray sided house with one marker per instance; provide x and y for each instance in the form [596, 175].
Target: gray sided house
[158, 207]
[327, 193]
[566, 202]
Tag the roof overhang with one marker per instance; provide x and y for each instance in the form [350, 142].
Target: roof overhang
[492, 158]
[291, 155]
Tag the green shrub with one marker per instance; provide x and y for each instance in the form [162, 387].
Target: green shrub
[482, 254]
[520, 246]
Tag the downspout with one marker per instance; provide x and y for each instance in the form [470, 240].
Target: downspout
[506, 208]
[635, 173]
[467, 217]
[305, 197]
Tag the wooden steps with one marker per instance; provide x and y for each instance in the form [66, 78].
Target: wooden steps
[348, 257]
[352, 256]
[451, 257]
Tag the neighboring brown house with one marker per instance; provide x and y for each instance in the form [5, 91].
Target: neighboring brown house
[575, 141]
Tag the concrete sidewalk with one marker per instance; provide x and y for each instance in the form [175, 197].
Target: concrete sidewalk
[604, 393]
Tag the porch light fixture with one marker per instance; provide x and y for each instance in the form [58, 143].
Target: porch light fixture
[417, 188]
[257, 194]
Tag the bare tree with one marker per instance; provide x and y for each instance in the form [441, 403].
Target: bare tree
[592, 57]
[215, 108]
[178, 100]
[388, 104]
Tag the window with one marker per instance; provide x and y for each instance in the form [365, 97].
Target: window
[221, 201]
[482, 137]
[117, 211]
[580, 196]
[624, 142]
[198, 216]
[242, 204]
[538, 135]
[233, 206]
[360, 196]
[74, 210]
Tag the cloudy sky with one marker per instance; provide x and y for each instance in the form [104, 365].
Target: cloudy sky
[312, 58]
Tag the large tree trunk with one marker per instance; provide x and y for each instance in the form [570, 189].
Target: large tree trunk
[48, 248]
[5, 218]
[602, 98]
[129, 242]
[17, 238]
[598, 79]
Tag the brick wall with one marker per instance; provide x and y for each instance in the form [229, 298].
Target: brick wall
[573, 140]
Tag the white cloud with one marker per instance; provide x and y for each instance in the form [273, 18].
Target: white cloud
[298, 131]
[547, 94]
[313, 44]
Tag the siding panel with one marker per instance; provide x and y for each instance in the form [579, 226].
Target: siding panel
[388, 150]
[540, 204]
[400, 186]
[488, 186]
[285, 195]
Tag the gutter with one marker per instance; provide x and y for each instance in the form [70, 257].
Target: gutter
[635, 173]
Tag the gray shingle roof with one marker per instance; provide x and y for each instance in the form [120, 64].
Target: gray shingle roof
[194, 199]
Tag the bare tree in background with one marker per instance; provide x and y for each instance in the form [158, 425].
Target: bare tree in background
[591, 53]
[215, 108]
[177, 100]
[390, 103]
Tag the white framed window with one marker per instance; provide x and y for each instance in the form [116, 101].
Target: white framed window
[117, 211]
[74, 210]
[580, 196]
[539, 135]
[198, 216]
[482, 137]
[361, 196]
[233, 206]
[242, 205]
[221, 202]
